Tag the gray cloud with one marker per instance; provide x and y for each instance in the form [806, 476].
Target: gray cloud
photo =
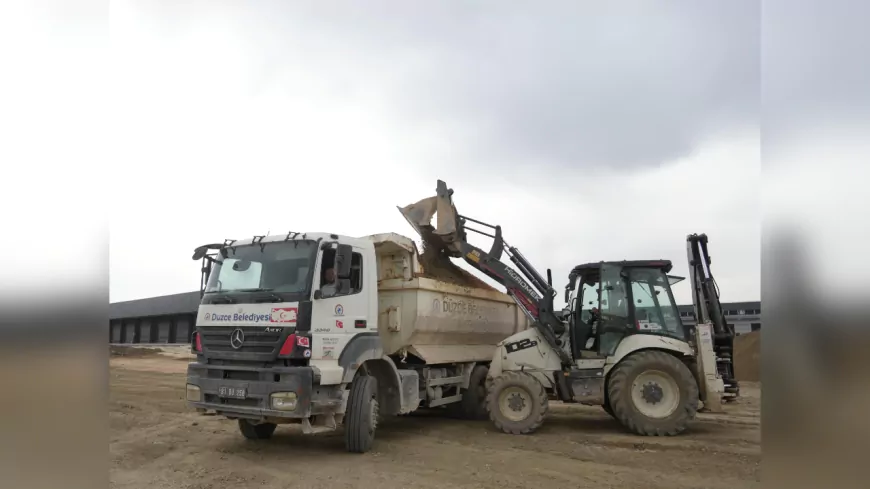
[560, 83]
[816, 74]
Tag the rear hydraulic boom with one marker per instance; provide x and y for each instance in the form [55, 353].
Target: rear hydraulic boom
[708, 309]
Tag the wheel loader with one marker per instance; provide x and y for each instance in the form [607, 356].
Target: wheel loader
[618, 344]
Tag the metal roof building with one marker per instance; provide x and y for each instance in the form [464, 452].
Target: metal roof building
[163, 319]
[171, 318]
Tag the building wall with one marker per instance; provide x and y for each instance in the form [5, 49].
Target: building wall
[172, 319]
[745, 316]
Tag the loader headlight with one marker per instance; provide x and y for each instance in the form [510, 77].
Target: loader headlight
[194, 394]
[284, 401]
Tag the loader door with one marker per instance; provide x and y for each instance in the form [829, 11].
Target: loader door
[614, 307]
[581, 331]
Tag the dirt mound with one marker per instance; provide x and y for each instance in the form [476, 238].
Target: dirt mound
[132, 352]
[437, 266]
[747, 357]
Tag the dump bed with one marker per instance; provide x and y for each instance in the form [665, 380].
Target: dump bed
[436, 311]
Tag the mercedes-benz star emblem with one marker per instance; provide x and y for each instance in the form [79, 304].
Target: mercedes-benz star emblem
[237, 338]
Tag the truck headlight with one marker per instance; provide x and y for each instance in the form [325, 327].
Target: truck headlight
[194, 394]
[284, 401]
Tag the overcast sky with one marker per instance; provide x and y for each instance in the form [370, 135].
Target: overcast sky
[587, 131]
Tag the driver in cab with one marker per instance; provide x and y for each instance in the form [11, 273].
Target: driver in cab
[329, 287]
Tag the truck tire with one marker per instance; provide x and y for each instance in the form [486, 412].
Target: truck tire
[361, 420]
[516, 403]
[251, 431]
[473, 403]
[653, 393]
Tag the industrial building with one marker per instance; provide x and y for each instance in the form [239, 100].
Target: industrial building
[171, 318]
[744, 316]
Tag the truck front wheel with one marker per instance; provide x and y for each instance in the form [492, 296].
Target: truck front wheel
[517, 403]
[361, 420]
[252, 431]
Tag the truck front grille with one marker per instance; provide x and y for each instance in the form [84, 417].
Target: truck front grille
[257, 342]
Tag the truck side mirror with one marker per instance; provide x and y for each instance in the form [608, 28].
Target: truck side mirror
[318, 294]
[200, 252]
[343, 286]
[343, 257]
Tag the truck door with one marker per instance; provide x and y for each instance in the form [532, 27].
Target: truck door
[340, 312]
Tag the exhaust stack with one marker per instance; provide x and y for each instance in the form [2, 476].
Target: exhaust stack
[447, 231]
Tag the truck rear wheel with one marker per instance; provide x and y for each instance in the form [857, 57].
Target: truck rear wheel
[361, 420]
[252, 431]
[653, 393]
[473, 403]
[517, 403]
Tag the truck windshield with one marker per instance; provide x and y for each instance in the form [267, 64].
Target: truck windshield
[278, 267]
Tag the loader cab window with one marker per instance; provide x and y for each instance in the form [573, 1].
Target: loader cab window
[655, 311]
[615, 318]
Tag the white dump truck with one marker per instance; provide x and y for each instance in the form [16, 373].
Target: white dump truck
[326, 331]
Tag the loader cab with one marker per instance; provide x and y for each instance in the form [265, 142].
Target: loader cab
[609, 301]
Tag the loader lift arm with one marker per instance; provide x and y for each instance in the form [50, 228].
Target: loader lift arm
[450, 235]
[708, 309]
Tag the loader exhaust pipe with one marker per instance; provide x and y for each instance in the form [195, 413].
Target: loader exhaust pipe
[447, 232]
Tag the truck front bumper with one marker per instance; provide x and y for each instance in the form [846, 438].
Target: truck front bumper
[216, 388]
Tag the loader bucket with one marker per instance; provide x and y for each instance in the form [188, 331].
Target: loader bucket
[446, 233]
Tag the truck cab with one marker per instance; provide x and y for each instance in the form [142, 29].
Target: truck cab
[275, 315]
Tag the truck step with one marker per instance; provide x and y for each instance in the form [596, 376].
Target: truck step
[445, 400]
[329, 424]
[444, 381]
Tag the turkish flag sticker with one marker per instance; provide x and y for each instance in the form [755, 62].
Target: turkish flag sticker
[283, 315]
[339, 324]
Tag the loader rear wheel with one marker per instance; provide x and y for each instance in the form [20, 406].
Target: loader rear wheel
[251, 431]
[517, 403]
[607, 408]
[361, 419]
[653, 393]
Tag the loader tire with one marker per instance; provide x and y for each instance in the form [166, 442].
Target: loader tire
[653, 393]
[473, 403]
[516, 403]
[251, 431]
[361, 419]
[607, 408]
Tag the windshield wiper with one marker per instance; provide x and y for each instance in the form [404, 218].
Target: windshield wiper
[274, 297]
[223, 299]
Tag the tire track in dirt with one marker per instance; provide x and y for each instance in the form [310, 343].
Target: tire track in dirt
[157, 443]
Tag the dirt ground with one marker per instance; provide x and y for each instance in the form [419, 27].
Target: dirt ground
[156, 442]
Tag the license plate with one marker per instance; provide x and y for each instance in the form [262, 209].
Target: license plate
[233, 392]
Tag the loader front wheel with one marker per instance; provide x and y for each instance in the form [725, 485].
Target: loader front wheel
[517, 403]
[361, 419]
[653, 393]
